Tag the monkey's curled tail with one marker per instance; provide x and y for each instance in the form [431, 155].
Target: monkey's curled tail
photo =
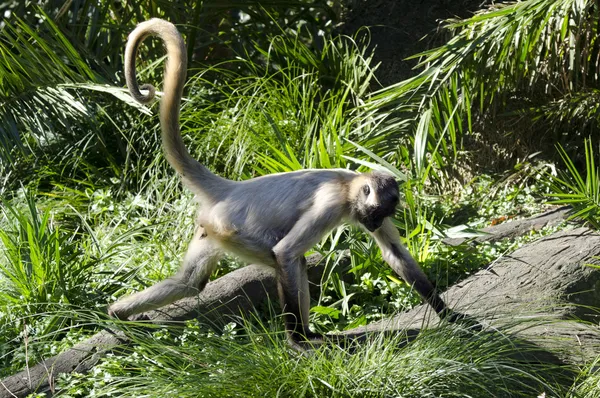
[196, 176]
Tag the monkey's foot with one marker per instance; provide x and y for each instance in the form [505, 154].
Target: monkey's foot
[119, 311]
[306, 341]
[462, 319]
[122, 317]
[114, 314]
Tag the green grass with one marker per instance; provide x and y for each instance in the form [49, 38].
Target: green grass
[579, 190]
[588, 382]
[59, 265]
[254, 361]
[91, 210]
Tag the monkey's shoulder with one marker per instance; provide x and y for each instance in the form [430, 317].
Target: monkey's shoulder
[306, 176]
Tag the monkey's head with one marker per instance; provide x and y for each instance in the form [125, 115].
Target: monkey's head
[374, 196]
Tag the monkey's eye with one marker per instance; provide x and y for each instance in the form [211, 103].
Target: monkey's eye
[366, 189]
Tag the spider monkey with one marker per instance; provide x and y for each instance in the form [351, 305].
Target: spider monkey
[271, 220]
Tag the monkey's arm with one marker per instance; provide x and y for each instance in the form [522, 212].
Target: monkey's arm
[292, 276]
[398, 257]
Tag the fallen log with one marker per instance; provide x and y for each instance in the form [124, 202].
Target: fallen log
[537, 279]
[553, 281]
[230, 294]
[514, 228]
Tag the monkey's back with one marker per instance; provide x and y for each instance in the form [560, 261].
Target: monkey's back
[256, 214]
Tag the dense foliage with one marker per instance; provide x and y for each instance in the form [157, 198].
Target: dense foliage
[492, 125]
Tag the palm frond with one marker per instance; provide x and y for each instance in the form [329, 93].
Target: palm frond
[510, 50]
[575, 112]
[580, 191]
[36, 105]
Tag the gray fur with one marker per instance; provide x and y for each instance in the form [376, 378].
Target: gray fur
[271, 220]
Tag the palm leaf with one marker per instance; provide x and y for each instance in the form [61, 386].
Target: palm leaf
[511, 49]
[581, 192]
[37, 104]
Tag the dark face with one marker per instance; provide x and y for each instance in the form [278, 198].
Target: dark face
[377, 200]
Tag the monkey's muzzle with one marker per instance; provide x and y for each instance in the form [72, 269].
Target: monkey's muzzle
[373, 225]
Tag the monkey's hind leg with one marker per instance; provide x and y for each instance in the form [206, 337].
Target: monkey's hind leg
[199, 262]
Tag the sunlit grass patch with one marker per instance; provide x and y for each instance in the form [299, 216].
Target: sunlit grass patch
[255, 361]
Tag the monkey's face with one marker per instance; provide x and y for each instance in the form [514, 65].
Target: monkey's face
[377, 199]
